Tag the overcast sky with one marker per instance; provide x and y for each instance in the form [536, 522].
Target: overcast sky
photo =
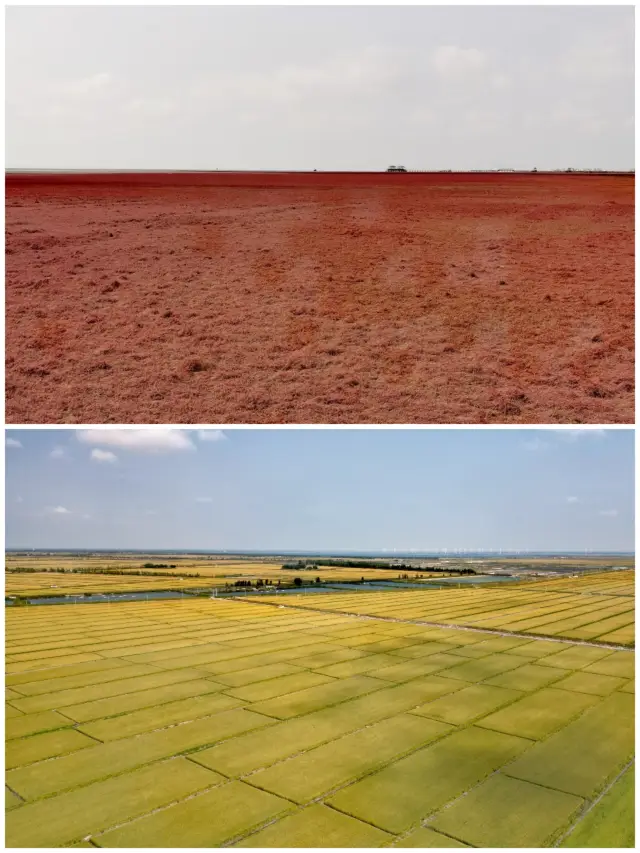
[319, 87]
[348, 489]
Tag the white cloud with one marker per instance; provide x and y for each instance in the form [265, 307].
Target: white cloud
[574, 434]
[608, 513]
[573, 500]
[57, 453]
[13, 442]
[138, 440]
[211, 435]
[451, 61]
[19, 500]
[103, 455]
[204, 500]
[58, 510]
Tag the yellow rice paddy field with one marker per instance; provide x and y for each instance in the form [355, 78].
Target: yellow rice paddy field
[602, 583]
[209, 722]
[188, 565]
[597, 607]
[186, 574]
[52, 584]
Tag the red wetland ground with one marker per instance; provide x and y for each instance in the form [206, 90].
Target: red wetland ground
[319, 298]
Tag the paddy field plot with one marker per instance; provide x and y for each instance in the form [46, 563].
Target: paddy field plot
[53, 584]
[572, 611]
[131, 724]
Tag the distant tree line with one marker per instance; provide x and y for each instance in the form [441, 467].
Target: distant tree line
[340, 564]
[88, 571]
[259, 584]
[371, 564]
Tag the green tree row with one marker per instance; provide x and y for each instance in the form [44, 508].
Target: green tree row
[372, 564]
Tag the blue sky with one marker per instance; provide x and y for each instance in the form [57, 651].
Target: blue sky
[320, 489]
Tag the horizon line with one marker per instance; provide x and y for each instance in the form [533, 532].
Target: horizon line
[501, 170]
[387, 552]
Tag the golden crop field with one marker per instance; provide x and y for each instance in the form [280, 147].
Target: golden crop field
[612, 583]
[125, 562]
[598, 607]
[85, 576]
[52, 583]
[205, 723]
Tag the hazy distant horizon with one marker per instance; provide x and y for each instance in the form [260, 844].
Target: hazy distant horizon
[386, 554]
[319, 553]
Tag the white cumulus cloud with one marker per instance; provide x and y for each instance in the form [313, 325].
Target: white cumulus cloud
[58, 510]
[57, 453]
[608, 513]
[138, 440]
[103, 455]
[13, 442]
[573, 500]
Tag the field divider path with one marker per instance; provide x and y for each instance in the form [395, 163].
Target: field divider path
[584, 812]
[451, 626]
[499, 772]
[589, 804]
[164, 807]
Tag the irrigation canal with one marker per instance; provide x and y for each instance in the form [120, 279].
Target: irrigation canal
[316, 589]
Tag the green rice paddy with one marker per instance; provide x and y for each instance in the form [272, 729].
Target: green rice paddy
[204, 723]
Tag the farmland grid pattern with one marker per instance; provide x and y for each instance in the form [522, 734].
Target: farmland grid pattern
[130, 724]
